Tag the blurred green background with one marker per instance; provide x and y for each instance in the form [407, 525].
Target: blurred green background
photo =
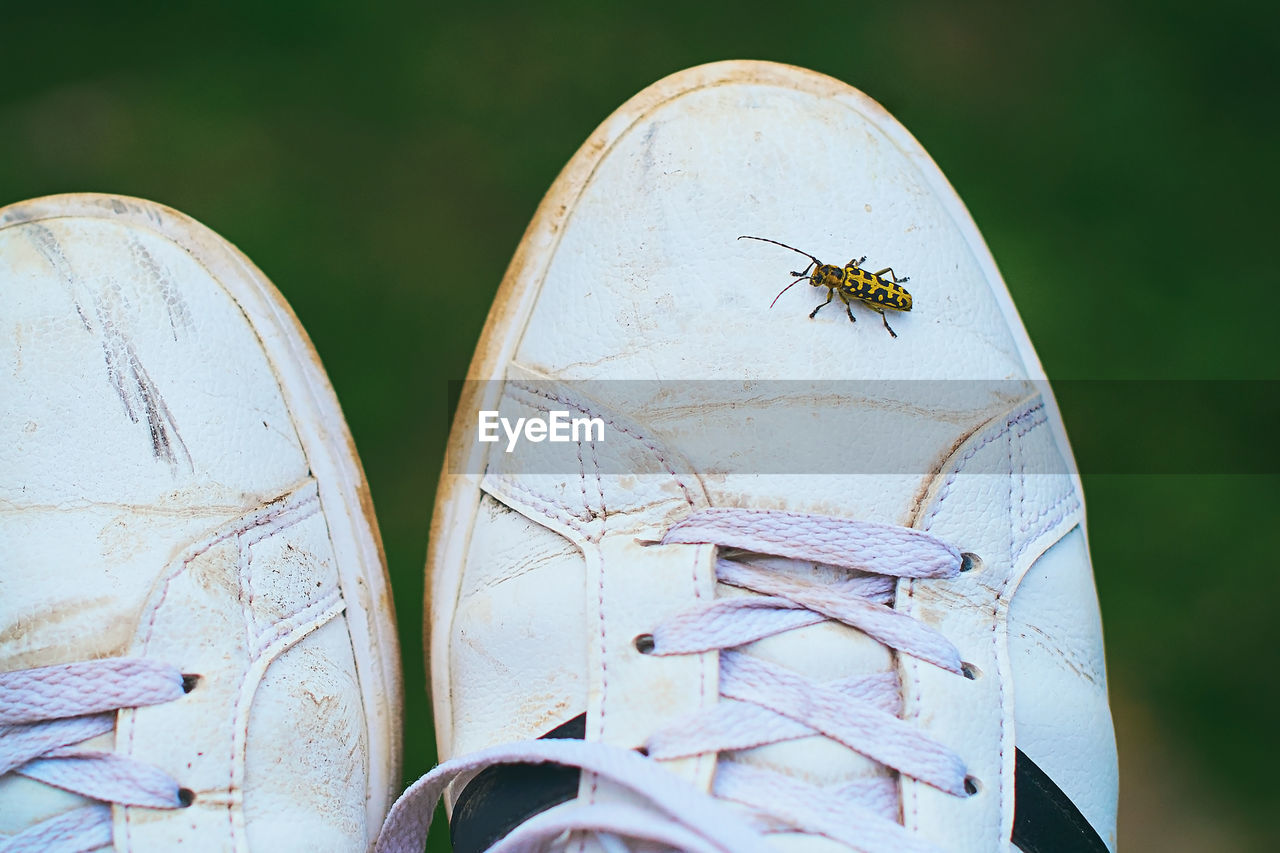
[380, 161]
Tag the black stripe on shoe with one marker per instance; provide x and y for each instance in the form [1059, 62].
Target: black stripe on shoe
[1044, 818]
[502, 797]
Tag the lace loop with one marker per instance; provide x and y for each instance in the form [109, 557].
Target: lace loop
[406, 826]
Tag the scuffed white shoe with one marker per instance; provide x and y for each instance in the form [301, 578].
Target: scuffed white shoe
[832, 583]
[197, 645]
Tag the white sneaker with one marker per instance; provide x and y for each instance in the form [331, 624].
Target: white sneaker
[196, 632]
[834, 584]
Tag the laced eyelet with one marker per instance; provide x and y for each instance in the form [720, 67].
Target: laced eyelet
[644, 643]
[186, 796]
[972, 786]
[970, 671]
[189, 682]
[970, 562]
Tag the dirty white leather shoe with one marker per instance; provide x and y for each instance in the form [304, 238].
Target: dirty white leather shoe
[832, 583]
[197, 646]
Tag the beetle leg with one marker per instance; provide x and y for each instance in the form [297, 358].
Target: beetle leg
[806, 270]
[847, 309]
[893, 277]
[858, 262]
[830, 295]
[886, 323]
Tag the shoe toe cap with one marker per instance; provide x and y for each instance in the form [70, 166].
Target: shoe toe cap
[647, 277]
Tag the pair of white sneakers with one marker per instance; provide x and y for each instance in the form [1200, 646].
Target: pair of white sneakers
[797, 585]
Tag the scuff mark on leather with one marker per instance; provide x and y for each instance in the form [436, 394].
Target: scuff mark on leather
[47, 245]
[137, 391]
[132, 383]
[174, 304]
[1055, 650]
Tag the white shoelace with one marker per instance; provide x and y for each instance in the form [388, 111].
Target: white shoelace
[761, 703]
[45, 711]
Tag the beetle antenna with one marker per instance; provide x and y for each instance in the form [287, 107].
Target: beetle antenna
[783, 245]
[785, 289]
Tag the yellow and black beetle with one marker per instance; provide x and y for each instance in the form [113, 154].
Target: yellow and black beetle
[872, 289]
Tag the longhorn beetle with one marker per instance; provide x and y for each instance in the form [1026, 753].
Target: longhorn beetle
[853, 282]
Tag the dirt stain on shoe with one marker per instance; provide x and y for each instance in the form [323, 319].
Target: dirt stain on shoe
[50, 635]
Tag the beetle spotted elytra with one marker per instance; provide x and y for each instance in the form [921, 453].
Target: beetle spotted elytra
[872, 289]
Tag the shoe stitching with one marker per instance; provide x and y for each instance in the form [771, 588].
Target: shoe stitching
[604, 627]
[281, 506]
[604, 664]
[270, 526]
[1014, 485]
[612, 422]
[1069, 504]
[287, 624]
[1001, 664]
[1067, 501]
[548, 506]
[582, 486]
[554, 507]
[1025, 414]
[1024, 422]
[261, 533]
[244, 577]
[252, 678]
[602, 515]
[595, 461]
[272, 641]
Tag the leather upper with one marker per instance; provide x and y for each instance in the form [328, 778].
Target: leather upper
[632, 273]
[163, 495]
